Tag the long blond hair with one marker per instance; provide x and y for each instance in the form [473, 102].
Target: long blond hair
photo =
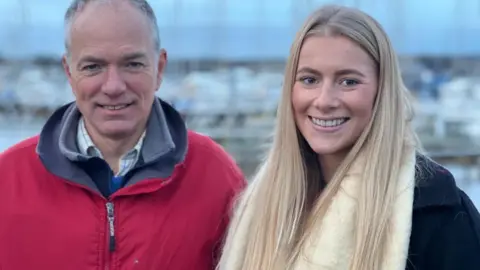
[281, 206]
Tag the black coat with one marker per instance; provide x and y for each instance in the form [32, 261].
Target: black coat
[445, 225]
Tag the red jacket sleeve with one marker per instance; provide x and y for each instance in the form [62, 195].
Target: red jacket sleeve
[237, 183]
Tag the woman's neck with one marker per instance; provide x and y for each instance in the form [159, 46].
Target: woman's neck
[329, 165]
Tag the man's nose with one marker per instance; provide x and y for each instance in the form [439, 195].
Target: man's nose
[114, 83]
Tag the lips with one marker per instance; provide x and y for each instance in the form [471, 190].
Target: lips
[328, 123]
[115, 107]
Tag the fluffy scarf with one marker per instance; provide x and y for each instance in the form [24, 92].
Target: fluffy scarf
[332, 249]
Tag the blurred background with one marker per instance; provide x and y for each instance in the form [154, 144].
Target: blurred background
[226, 60]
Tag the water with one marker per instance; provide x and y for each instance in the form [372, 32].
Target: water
[14, 132]
[474, 192]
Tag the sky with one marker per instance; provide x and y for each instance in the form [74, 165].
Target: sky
[448, 25]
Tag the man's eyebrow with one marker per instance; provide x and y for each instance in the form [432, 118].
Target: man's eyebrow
[90, 59]
[97, 60]
[133, 56]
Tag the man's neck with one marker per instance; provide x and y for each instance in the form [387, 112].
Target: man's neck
[113, 149]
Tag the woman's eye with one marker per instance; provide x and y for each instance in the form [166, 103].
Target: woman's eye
[349, 82]
[308, 80]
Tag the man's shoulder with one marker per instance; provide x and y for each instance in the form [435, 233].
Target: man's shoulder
[204, 152]
[205, 146]
[21, 150]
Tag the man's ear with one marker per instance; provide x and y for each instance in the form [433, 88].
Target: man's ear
[162, 63]
[66, 66]
[67, 70]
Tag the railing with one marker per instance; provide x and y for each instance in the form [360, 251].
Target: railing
[244, 133]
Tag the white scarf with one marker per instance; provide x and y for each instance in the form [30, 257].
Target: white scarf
[332, 249]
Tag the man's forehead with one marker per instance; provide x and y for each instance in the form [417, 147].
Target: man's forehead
[110, 29]
[111, 4]
[111, 53]
[105, 24]
[104, 11]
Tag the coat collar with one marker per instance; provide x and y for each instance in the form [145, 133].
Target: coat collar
[435, 187]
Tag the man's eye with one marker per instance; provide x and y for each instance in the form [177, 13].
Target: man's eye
[92, 67]
[135, 65]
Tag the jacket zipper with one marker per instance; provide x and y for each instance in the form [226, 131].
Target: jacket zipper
[111, 225]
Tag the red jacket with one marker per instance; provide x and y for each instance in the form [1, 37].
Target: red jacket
[174, 223]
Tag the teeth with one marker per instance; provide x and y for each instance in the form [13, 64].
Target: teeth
[114, 108]
[328, 123]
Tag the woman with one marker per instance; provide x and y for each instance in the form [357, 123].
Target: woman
[345, 184]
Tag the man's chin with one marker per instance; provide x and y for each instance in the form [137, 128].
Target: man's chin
[117, 131]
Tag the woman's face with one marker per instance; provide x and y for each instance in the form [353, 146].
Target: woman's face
[333, 94]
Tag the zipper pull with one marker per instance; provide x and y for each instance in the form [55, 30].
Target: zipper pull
[111, 219]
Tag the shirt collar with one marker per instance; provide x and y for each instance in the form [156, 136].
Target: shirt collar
[88, 148]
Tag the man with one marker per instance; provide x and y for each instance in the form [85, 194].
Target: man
[114, 180]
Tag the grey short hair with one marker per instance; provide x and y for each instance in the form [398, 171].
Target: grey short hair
[77, 5]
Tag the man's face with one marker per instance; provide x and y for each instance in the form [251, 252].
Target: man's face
[113, 68]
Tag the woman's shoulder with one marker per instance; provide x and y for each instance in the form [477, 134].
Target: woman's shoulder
[446, 223]
[435, 185]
